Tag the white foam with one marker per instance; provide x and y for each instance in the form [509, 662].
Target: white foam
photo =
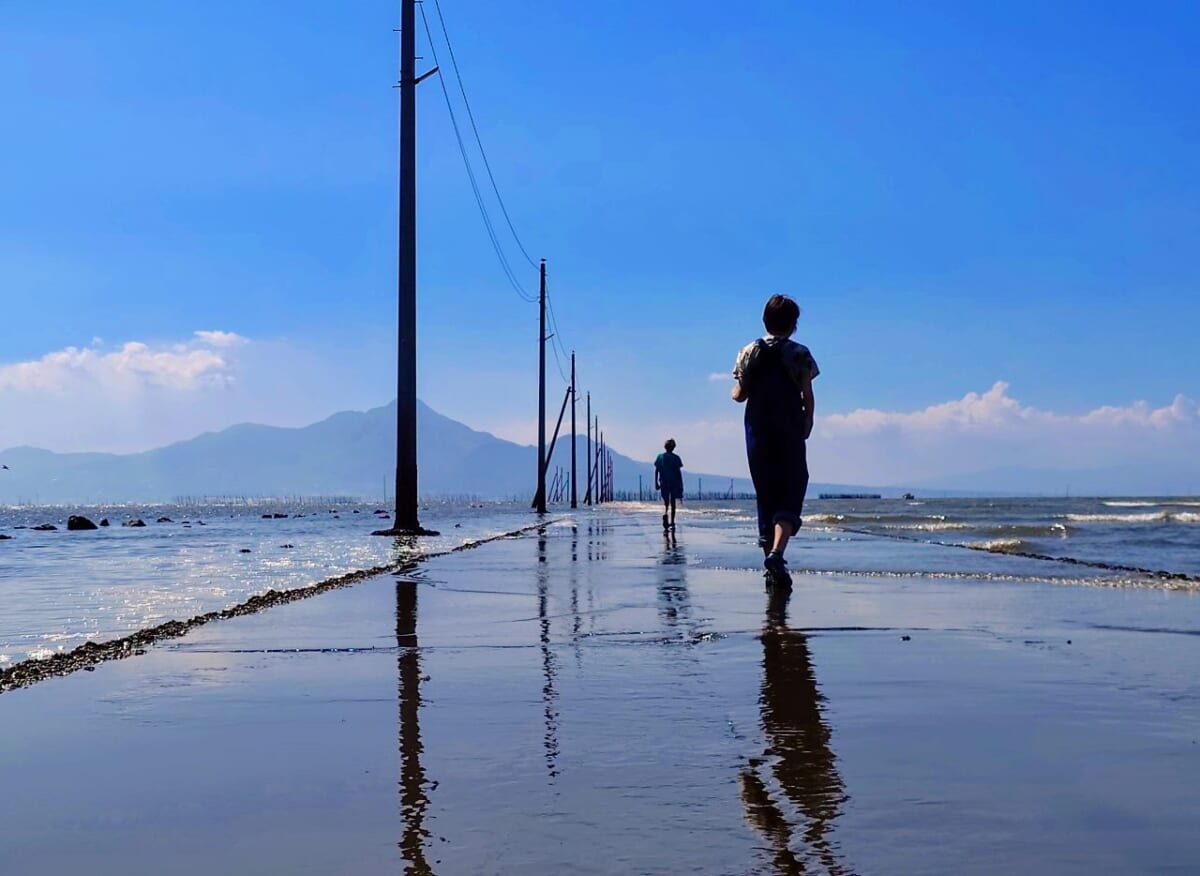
[939, 526]
[1153, 517]
[1132, 504]
[997, 545]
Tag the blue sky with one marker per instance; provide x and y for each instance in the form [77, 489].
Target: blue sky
[957, 194]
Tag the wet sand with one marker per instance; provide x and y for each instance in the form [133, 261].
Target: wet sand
[596, 698]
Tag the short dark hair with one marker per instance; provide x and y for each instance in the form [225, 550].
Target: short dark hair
[669, 445]
[781, 315]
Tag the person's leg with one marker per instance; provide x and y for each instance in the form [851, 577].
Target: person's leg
[666, 506]
[672, 510]
[792, 470]
[760, 475]
[795, 487]
[781, 536]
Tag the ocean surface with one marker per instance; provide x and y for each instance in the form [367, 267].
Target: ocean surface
[59, 589]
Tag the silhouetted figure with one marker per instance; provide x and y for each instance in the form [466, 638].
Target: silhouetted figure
[774, 378]
[797, 746]
[668, 480]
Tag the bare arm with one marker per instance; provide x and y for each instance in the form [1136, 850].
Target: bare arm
[738, 393]
[809, 403]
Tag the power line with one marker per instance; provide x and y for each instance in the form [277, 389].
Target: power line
[556, 346]
[555, 343]
[470, 115]
[487, 220]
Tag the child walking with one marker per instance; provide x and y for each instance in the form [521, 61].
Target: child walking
[668, 480]
[774, 376]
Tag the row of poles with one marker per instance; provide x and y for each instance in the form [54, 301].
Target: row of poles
[599, 463]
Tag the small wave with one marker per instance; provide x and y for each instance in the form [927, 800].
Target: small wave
[1154, 517]
[1000, 545]
[4, 658]
[1131, 504]
[42, 653]
[930, 526]
[824, 518]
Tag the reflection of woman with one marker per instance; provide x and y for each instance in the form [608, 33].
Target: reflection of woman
[673, 602]
[797, 740]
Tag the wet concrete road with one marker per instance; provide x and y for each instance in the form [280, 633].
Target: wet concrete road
[598, 698]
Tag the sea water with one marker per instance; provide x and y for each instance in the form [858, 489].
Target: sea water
[59, 589]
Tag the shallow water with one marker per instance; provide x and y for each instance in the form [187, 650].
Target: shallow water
[600, 698]
[60, 589]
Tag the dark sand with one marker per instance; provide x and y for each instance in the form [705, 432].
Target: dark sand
[599, 700]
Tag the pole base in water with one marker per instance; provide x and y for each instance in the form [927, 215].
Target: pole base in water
[400, 530]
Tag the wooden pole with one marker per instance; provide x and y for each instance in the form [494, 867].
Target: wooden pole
[539, 499]
[574, 440]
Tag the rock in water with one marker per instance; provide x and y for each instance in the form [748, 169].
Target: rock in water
[46, 527]
[76, 523]
[4, 537]
[137, 522]
[104, 521]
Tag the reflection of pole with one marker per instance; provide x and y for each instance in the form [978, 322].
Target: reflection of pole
[549, 694]
[413, 799]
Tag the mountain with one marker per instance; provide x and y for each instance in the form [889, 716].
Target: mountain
[348, 454]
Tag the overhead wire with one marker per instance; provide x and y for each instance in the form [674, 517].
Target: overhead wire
[475, 129]
[556, 345]
[479, 201]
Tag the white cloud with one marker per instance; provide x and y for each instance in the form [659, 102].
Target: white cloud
[141, 394]
[977, 432]
[995, 410]
[133, 367]
[720, 377]
[220, 339]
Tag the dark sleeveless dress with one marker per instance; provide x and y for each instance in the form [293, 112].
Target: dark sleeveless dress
[775, 446]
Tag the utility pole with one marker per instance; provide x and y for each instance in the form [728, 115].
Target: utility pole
[406, 522]
[541, 488]
[587, 460]
[601, 476]
[574, 451]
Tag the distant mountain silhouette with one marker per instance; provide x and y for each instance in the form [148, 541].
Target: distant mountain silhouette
[350, 453]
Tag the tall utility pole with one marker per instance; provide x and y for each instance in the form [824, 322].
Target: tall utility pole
[541, 487]
[600, 468]
[587, 460]
[406, 522]
[574, 451]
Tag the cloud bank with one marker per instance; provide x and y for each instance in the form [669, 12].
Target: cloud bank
[979, 432]
[134, 367]
[139, 394]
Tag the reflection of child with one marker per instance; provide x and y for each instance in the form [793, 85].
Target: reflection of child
[668, 480]
[774, 378]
